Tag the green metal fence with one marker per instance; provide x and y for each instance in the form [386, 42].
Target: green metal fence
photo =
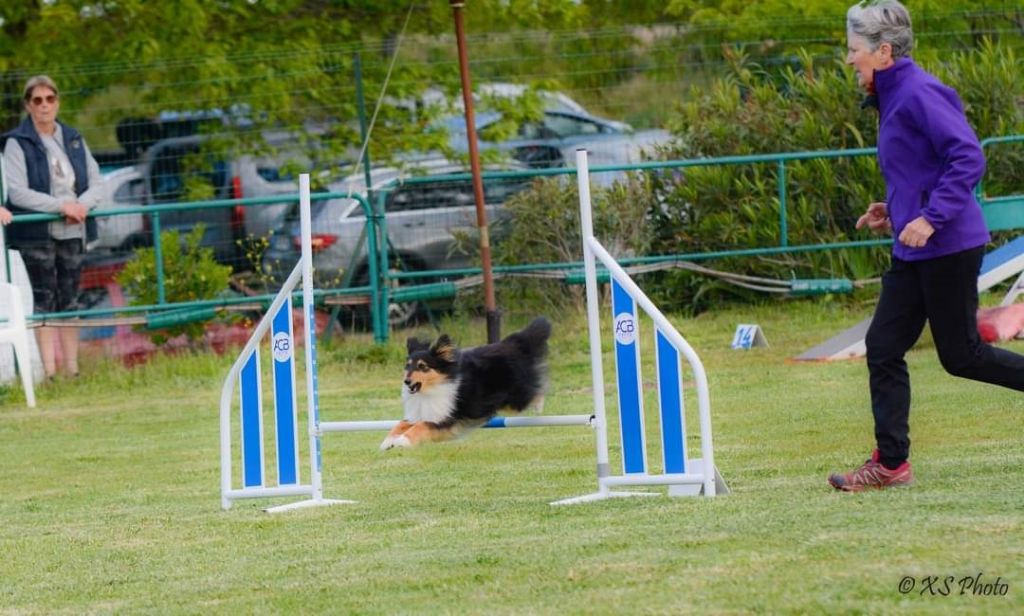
[1002, 212]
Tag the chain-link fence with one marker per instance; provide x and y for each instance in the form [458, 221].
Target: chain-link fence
[178, 131]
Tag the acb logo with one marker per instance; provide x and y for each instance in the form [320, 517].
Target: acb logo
[625, 328]
[282, 346]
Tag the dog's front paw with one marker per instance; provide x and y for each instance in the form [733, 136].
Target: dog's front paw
[395, 441]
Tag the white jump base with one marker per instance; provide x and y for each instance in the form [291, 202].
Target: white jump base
[684, 476]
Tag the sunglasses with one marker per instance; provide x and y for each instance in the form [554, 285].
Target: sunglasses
[49, 98]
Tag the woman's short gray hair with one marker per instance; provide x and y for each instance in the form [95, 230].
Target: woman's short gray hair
[882, 21]
[35, 82]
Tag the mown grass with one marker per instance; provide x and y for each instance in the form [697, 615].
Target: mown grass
[111, 496]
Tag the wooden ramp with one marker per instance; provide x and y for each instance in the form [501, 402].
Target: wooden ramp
[997, 266]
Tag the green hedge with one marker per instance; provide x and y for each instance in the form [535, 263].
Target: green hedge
[749, 111]
[702, 209]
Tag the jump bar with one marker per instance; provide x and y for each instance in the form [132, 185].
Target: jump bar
[496, 422]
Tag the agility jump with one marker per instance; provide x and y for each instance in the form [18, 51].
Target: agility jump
[682, 475]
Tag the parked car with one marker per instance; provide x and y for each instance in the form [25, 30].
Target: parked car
[170, 166]
[424, 224]
[135, 135]
[117, 233]
[553, 100]
[437, 98]
[553, 140]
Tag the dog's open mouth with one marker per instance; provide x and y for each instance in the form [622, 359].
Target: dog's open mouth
[414, 387]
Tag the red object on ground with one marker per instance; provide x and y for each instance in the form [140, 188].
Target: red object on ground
[1000, 323]
[100, 273]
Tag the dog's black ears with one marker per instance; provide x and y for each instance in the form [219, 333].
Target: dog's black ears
[415, 344]
[443, 348]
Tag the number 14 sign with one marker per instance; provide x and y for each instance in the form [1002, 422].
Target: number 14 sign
[748, 336]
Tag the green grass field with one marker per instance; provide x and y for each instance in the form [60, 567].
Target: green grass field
[110, 496]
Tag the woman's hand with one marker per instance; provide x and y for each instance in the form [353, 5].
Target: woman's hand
[74, 212]
[916, 234]
[876, 218]
[5, 216]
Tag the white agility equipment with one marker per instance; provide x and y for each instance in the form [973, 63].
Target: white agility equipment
[247, 370]
[997, 266]
[748, 336]
[683, 476]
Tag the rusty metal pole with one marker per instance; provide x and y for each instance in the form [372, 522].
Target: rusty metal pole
[490, 305]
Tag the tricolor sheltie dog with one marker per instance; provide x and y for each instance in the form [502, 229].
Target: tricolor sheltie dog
[448, 391]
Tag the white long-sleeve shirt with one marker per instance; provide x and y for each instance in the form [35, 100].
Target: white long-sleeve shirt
[62, 183]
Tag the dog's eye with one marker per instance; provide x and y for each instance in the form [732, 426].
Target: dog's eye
[422, 367]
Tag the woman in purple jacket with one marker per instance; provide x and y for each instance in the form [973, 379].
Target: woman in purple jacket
[931, 161]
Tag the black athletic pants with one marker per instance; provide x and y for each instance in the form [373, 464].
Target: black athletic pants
[943, 291]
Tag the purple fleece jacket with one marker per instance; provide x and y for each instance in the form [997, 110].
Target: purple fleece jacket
[931, 161]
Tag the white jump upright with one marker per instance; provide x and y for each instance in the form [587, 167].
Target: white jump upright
[682, 475]
[246, 374]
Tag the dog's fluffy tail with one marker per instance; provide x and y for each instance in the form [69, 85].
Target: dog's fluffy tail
[532, 340]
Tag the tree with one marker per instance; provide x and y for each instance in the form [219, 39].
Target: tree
[790, 20]
[289, 62]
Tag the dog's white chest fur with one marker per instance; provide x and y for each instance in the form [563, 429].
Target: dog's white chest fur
[434, 405]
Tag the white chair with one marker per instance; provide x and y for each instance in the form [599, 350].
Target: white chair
[14, 331]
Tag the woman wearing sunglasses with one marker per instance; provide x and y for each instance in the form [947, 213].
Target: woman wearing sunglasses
[49, 169]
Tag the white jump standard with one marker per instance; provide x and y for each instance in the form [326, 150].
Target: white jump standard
[683, 475]
[278, 317]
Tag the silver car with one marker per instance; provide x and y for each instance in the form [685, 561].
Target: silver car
[124, 188]
[553, 140]
[162, 175]
[430, 226]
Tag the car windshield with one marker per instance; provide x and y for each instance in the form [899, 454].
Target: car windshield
[349, 207]
[559, 126]
[554, 125]
[173, 167]
[418, 195]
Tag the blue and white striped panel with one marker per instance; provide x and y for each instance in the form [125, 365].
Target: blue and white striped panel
[283, 345]
[310, 330]
[627, 372]
[252, 423]
[670, 399]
